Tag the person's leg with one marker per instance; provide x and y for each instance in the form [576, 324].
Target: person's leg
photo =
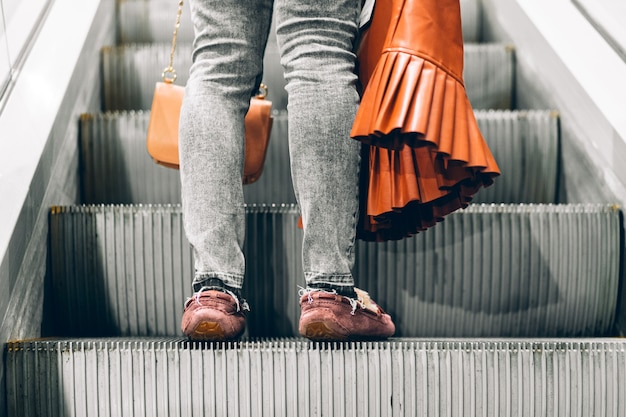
[316, 40]
[230, 38]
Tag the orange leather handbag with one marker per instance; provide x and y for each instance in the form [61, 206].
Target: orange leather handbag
[162, 138]
[426, 155]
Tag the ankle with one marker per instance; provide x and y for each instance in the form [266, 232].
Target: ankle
[344, 290]
[216, 284]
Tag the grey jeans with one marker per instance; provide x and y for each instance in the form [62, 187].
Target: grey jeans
[316, 40]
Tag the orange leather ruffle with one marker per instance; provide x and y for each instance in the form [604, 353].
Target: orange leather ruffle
[426, 155]
[410, 100]
[411, 190]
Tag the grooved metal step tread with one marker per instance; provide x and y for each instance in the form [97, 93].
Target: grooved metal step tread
[294, 377]
[116, 167]
[488, 270]
[130, 71]
[153, 21]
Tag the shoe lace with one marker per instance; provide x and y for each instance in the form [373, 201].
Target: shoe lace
[354, 303]
[241, 305]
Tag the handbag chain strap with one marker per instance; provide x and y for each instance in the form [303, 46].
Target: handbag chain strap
[169, 74]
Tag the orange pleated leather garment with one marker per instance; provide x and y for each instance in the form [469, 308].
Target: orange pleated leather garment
[426, 156]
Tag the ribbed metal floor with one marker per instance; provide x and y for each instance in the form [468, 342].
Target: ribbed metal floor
[144, 21]
[157, 377]
[130, 71]
[525, 143]
[116, 168]
[489, 270]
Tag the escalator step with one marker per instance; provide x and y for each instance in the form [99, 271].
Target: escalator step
[117, 169]
[489, 75]
[171, 377]
[115, 166]
[130, 71]
[145, 21]
[488, 270]
[525, 143]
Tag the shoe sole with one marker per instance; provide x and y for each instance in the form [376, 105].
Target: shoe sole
[208, 330]
[319, 331]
